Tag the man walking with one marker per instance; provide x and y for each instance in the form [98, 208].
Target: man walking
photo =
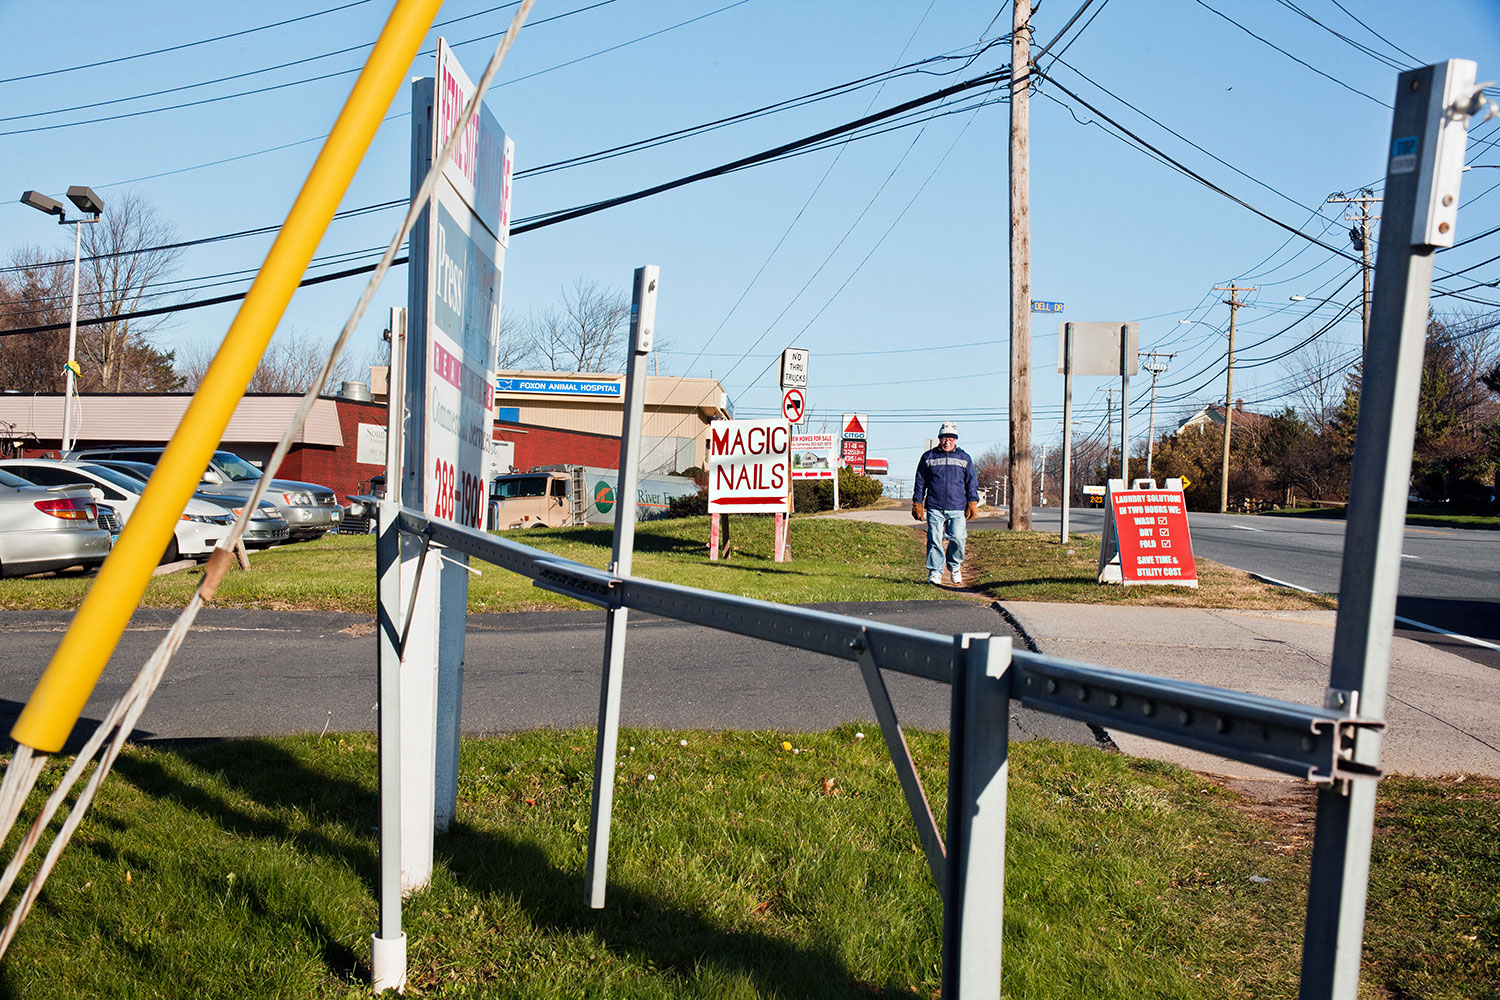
[945, 496]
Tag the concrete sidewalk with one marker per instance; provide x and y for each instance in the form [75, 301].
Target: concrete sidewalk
[1441, 712]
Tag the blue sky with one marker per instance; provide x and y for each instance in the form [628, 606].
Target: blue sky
[886, 258]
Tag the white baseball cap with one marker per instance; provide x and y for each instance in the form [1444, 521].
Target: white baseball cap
[949, 429]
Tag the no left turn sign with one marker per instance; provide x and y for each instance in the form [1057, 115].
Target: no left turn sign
[794, 405]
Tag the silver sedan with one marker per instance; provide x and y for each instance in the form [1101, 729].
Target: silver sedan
[47, 529]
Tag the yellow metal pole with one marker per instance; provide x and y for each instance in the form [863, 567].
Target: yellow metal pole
[70, 677]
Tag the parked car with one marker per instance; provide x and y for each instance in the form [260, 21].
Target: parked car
[265, 529]
[110, 520]
[310, 510]
[45, 529]
[197, 531]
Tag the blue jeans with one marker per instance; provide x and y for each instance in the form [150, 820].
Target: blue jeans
[949, 523]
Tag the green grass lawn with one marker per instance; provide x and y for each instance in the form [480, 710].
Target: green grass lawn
[738, 869]
[832, 560]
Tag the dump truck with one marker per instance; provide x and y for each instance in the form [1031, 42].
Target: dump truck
[557, 496]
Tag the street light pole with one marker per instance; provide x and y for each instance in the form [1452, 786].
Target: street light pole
[89, 204]
[70, 389]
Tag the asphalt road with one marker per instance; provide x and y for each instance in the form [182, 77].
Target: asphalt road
[260, 673]
[1450, 577]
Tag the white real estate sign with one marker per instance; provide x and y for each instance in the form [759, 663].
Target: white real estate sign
[457, 263]
[812, 456]
[467, 227]
[749, 466]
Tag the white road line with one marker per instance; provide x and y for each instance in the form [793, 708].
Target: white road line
[1282, 583]
[1452, 635]
[1244, 527]
[1406, 556]
[1405, 621]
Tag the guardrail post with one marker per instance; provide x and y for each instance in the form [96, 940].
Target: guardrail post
[642, 327]
[1426, 155]
[978, 767]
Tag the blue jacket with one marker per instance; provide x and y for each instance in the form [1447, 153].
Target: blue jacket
[946, 480]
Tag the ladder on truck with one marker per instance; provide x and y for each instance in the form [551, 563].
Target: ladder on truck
[578, 496]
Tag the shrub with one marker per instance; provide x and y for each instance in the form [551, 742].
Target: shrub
[855, 490]
[688, 505]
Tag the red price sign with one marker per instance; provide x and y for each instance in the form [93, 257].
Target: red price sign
[1152, 528]
[854, 454]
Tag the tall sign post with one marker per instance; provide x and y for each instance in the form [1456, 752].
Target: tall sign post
[794, 372]
[642, 328]
[1108, 348]
[388, 944]
[453, 293]
[1429, 131]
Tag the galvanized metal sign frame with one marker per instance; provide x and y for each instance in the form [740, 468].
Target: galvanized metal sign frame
[1335, 746]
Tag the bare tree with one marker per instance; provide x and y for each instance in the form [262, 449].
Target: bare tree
[584, 332]
[291, 364]
[515, 343]
[38, 291]
[1318, 373]
[35, 293]
[123, 257]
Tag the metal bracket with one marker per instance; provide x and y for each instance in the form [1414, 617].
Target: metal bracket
[906, 771]
[411, 604]
[582, 583]
[1283, 736]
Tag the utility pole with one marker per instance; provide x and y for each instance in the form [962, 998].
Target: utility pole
[1361, 239]
[1156, 363]
[1234, 308]
[1020, 266]
[1109, 431]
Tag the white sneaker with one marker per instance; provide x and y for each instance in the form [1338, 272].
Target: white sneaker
[936, 579]
[958, 578]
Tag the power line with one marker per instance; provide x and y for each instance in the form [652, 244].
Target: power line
[1188, 171]
[567, 215]
[183, 45]
[594, 157]
[346, 72]
[1300, 62]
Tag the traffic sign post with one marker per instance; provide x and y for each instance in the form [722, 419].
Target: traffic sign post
[1428, 135]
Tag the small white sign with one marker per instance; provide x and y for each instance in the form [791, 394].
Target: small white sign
[369, 448]
[794, 362]
[812, 456]
[749, 466]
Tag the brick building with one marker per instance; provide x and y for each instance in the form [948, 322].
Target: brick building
[549, 418]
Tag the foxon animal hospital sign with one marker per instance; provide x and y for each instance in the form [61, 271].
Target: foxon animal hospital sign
[749, 466]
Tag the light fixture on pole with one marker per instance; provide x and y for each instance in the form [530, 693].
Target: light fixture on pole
[89, 204]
